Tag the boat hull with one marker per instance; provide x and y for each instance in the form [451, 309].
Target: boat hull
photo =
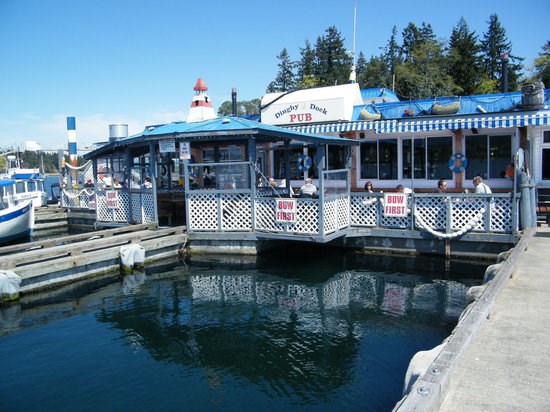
[16, 222]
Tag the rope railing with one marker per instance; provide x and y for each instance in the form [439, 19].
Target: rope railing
[419, 221]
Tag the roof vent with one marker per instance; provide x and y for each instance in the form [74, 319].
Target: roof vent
[117, 132]
[225, 121]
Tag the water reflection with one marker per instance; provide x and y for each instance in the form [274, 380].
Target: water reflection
[337, 333]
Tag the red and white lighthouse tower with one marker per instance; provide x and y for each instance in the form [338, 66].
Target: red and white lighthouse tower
[201, 106]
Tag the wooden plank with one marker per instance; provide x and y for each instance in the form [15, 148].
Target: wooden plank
[74, 238]
[76, 267]
[50, 254]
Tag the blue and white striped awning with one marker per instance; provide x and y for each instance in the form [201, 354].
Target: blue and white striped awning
[426, 124]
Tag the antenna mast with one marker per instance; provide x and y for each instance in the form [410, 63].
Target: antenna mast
[352, 75]
[354, 29]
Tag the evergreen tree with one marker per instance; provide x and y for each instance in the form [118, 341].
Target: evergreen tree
[464, 61]
[411, 37]
[423, 74]
[377, 74]
[496, 47]
[332, 61]
[542, 65]
[306, 67]
[392, 52]
[244, 107]
[361, 70]
[285, 80]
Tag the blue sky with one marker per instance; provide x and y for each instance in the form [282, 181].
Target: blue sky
[136, 62]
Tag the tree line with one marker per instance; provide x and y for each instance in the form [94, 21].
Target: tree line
[418, 66]
[47, 162]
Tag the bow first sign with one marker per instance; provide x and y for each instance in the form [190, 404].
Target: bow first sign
[285, 210]
[395, 204]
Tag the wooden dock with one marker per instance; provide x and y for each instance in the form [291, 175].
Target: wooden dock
[46, 263]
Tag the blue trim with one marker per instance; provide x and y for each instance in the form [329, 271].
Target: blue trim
[16, 213]
[72, 148]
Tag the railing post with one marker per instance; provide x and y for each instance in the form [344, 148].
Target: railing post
[533, 197]
[525, 202]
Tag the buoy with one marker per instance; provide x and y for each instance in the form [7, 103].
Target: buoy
[9, 286]
[132, 257]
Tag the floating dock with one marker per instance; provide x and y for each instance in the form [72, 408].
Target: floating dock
[47, 263]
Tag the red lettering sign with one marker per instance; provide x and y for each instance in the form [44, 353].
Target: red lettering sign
[285, 210]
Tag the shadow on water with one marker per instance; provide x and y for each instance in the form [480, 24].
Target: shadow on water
[310, 330]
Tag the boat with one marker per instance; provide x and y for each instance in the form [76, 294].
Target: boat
[29, 183]
[16, 218]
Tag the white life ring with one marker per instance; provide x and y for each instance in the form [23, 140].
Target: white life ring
[304, 162]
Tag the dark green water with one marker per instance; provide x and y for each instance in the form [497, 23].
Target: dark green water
[310, 331]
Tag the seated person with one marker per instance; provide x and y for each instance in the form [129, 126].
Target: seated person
[441, 186]
[308, 189]
[403, 189]
[147, 184]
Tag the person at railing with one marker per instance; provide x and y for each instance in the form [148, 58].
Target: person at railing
[147, 184]
[308, 189]
[441, 186]
[368, 187]
[480, 186]
[272, 182]
[116, 183]
[403, 189]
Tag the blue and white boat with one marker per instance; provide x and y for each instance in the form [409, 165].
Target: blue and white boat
[16, 218]
[29, 183]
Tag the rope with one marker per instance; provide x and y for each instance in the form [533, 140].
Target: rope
[469, 226]
[77, 167]
[266, 180]
[74, 196]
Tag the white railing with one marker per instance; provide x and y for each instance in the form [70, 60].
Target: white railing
[444, 215]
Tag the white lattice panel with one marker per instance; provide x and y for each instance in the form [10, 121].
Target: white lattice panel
[119, 214]
[344, 219]
[203, 211]
[433, 211]
[307, 212]
[395, 222]
[501, 215]
[236, 212]
[469, 211]
[330, 217]
[308, 217]
[364, 210]
[264, 218]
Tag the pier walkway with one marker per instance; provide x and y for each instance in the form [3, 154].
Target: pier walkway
[507, 363]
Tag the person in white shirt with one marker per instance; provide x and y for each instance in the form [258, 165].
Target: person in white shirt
[309, 189]
[480, 186]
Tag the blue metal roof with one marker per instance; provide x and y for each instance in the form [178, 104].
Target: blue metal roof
[379, 93]
[224, 127]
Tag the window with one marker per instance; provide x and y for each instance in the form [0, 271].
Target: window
[387, 156]
[293, 158]
[369, 160]
[488, 156]
[545, 164]
[419, 156]
[546, 136]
